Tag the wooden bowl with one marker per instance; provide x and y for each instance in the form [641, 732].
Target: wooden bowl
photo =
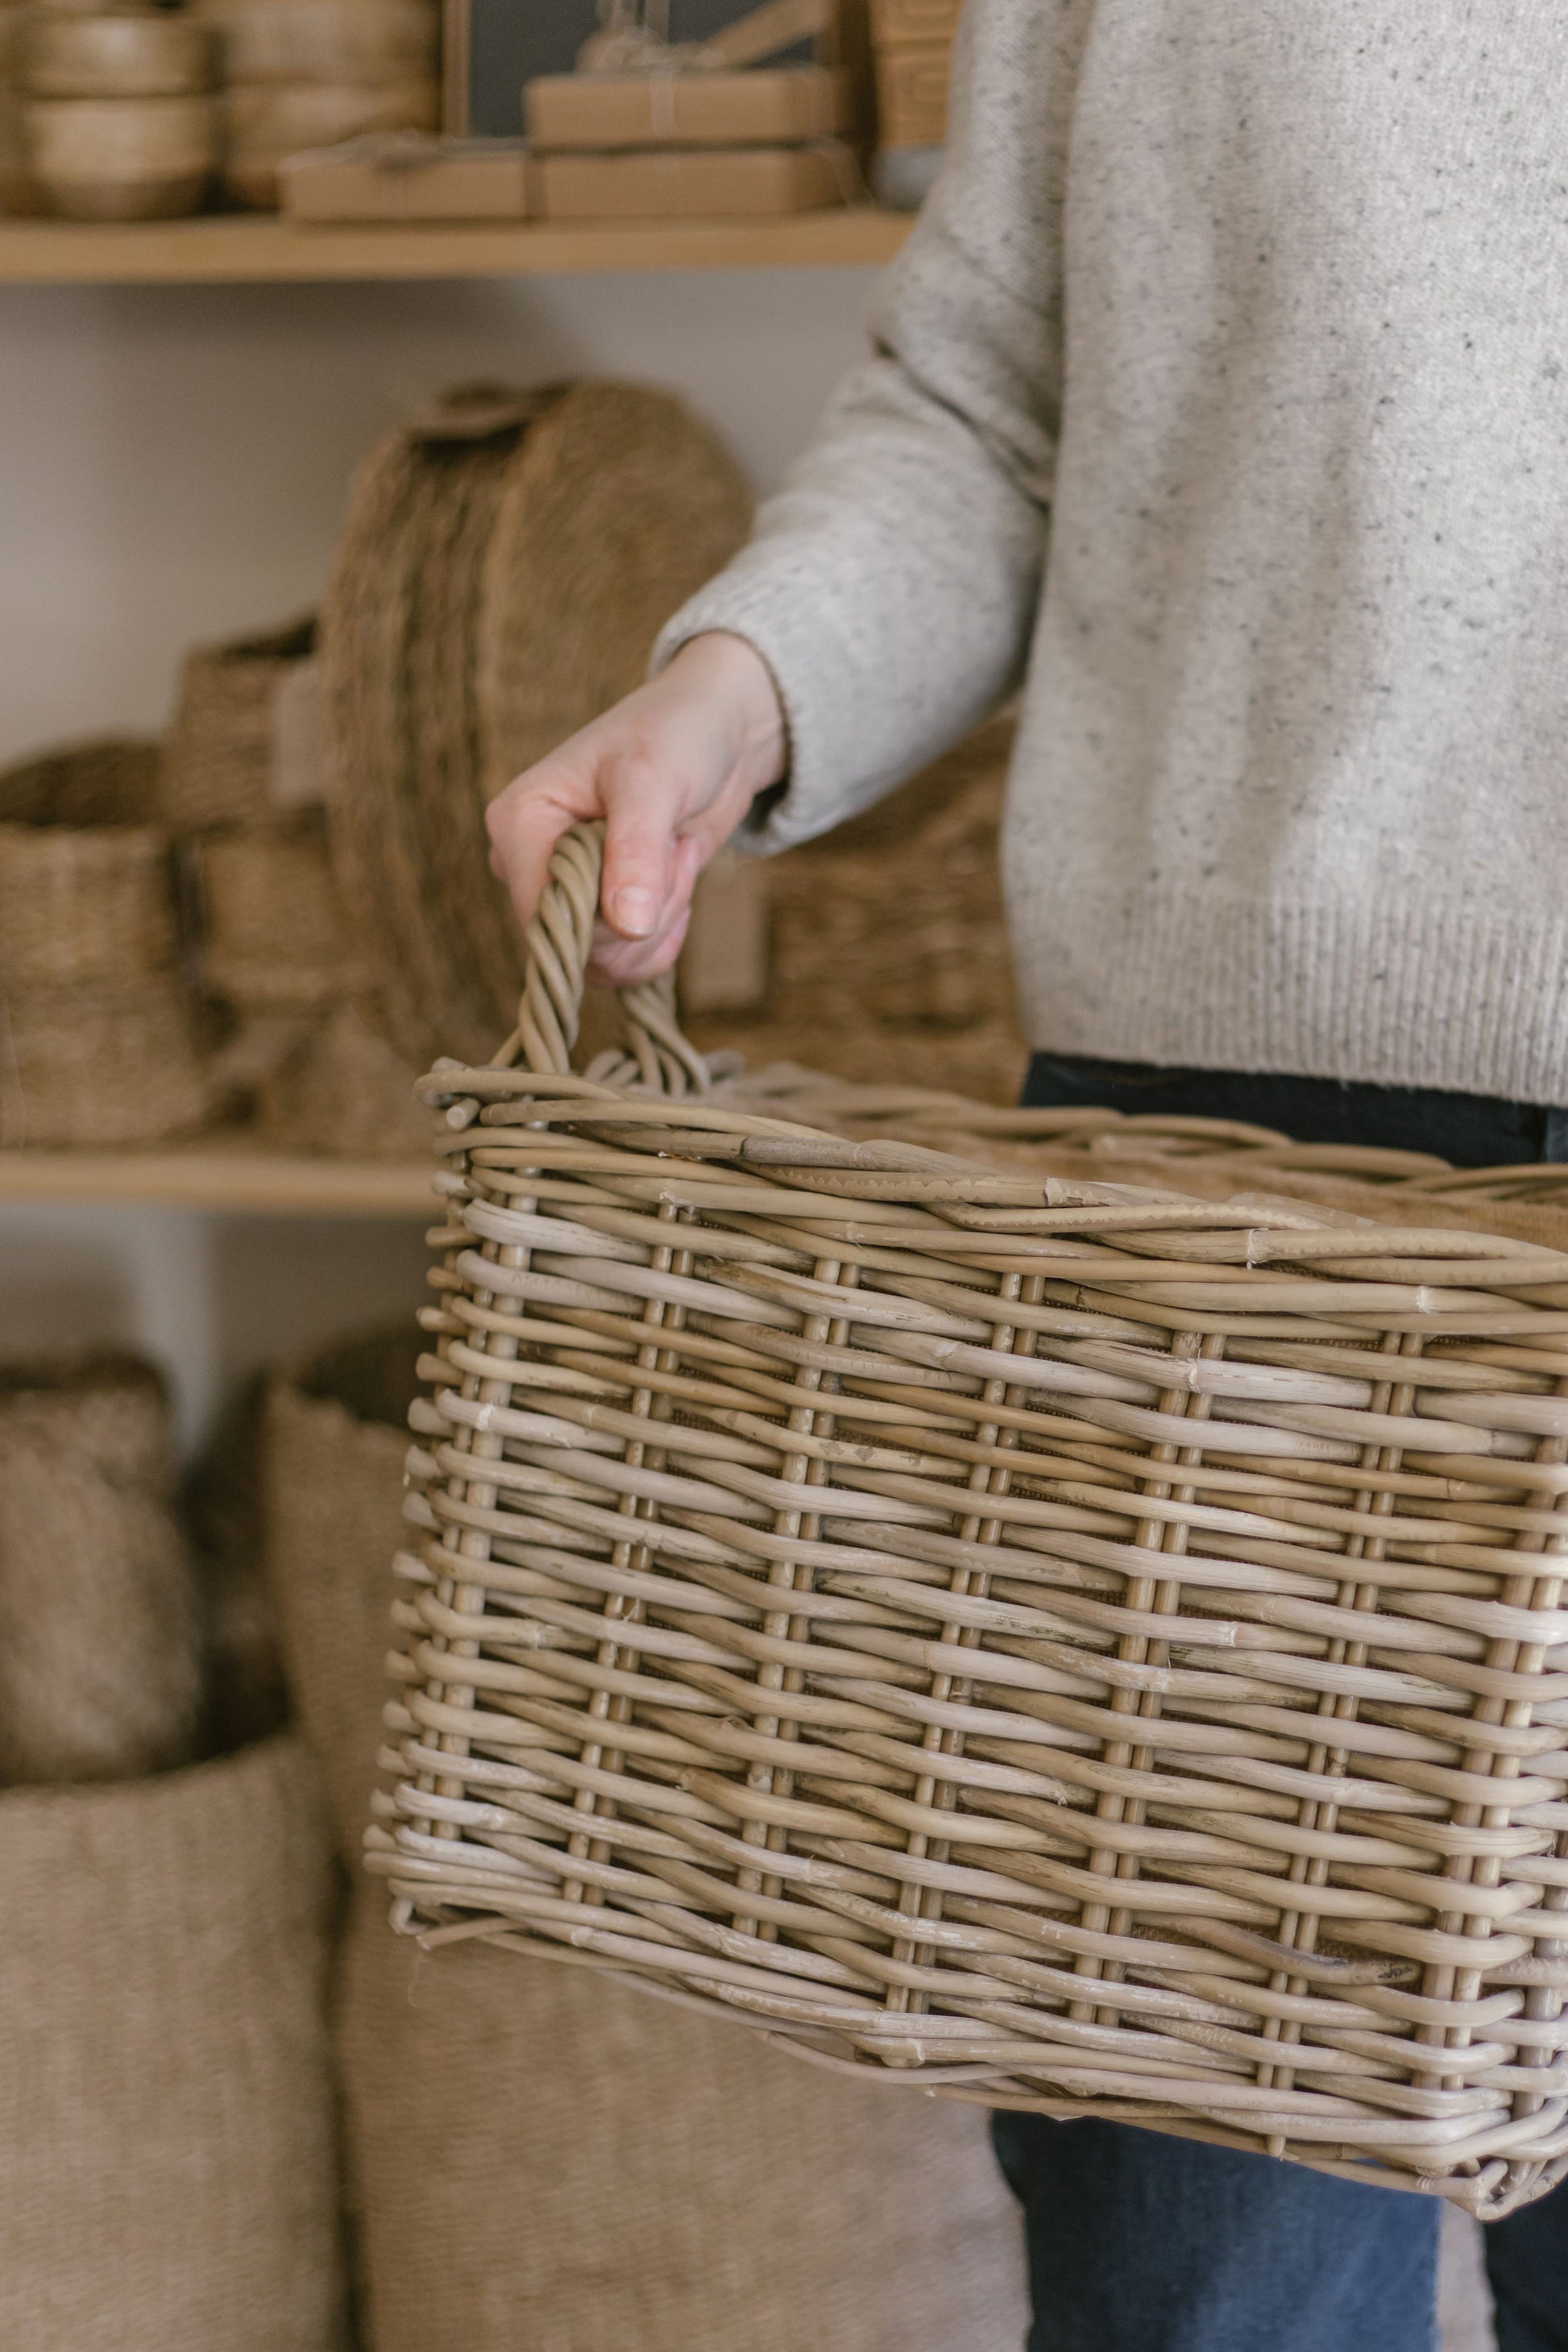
[123, 158]
[264, 121]
[118, 57]
[341, 42]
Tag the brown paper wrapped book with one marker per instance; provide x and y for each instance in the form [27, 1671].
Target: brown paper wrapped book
[691, 183]
[406, 175]
[764, 107]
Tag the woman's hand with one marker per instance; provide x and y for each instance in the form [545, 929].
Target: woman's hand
[672, 769]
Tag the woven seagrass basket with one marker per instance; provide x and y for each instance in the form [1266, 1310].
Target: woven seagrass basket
[1042, 1643]
[275, 936]
[222, 751]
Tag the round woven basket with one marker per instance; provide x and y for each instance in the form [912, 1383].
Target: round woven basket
[86, 877]
[1063, 1645]
[99, 1063]
[274, 934]
[220, 752]
[105, 780]
[84, 906]
[506, 565]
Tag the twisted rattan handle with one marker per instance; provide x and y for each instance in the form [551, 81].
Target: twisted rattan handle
[557, 942]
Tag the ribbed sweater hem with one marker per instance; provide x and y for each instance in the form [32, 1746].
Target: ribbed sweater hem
[1437, 997]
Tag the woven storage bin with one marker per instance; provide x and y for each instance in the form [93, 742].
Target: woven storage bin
[221, 748]
[539, 2159]
[344, 1088]
[923, 997]
[1040, 1642]
[275, 934]
[167, 2174]
[86, 881]
[84, 906]
[99, 1065]
[106, 780]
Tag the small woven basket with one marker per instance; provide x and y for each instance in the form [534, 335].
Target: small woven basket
[221, 747]
[86, 877]
[274, 935]
[107, 1062]
[1042, 1643]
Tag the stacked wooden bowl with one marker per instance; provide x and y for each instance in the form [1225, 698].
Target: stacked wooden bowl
[120, 122]
[308, 73]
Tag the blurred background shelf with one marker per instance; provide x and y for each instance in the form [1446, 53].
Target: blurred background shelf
[230, 1175]
[222, 248]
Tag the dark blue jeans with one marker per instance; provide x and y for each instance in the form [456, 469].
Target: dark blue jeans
[1142, 2243]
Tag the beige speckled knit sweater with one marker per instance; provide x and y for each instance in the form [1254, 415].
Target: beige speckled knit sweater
[1222, 400]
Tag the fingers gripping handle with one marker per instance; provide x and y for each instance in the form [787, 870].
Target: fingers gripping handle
[557, 942]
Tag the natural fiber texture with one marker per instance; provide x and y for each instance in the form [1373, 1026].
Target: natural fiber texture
[544, 2160]
[274, 932]
[507, 562]
[86, 881]
[246, 1697]
[167, 2181]
[100, 1640]
[540, 2158]
[344, 1088]
[220, 753]
[1079, 1647]
[333, 1503]
[84, 906]
[99, 1063]
[106, 780]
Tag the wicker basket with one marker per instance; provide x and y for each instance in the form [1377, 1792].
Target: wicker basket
[1047, 1644]
[221, 754]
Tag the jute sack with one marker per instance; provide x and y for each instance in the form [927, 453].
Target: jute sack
[100, 1637]
[542, 2161]
[167, 2175]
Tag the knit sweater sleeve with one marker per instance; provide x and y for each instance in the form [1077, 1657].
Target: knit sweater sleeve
[891, 586]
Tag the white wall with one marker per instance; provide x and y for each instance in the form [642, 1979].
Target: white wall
[173, 466]
[173, 459]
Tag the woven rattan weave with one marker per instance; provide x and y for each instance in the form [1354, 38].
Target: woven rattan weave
[1040, 1642]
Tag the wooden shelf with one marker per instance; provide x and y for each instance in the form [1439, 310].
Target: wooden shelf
[257, 248]
[226, 1173]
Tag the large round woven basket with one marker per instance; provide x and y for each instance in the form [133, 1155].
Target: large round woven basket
[1051, 1643]
[506, 565]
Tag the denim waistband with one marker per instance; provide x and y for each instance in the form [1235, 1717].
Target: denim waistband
[1471, 1131]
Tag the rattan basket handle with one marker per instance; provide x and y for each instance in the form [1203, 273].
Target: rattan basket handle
[557, 942]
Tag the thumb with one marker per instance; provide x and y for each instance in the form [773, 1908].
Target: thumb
[640, 851]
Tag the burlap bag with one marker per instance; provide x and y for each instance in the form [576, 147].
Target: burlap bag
[167, 2174]
[101, 1635]
[541, 2162]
